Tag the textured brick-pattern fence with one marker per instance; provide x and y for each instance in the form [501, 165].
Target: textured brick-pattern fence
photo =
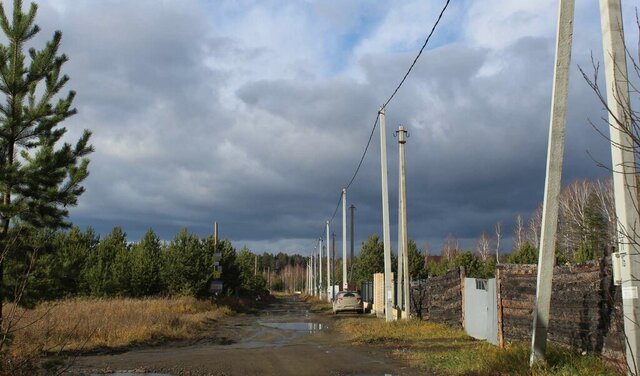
[585, 309]
[440, 298]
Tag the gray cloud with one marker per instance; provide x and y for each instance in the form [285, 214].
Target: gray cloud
[205, 113]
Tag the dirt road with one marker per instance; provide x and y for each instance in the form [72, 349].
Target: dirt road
[284, 339]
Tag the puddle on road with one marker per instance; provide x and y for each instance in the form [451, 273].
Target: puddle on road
[309, 327]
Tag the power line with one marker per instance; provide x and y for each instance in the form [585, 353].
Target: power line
[417, 56]
[404, 78]
[375, 123]
[337, 207]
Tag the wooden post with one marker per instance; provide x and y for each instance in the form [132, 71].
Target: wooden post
[463, 275]
[499, 299]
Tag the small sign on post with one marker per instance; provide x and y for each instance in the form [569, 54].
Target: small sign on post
[216, 286]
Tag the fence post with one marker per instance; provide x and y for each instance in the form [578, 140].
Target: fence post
[499, 299]
[463, 275]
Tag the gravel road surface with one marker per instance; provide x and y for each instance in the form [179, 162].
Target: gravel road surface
[283, 339]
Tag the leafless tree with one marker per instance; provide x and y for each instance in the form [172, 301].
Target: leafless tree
[483, 247]
[450, 247]
[603, 189]
[534, 227]
[574, 199]
[498, 229]
[518, 233]
[426, 249]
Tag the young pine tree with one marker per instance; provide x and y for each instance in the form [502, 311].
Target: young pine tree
[105, 272]
[39, 178]
[186, 270]
[146, 265]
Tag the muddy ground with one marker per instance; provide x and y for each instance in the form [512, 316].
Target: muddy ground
[283, 339]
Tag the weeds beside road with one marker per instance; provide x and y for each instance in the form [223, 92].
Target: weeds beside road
[448, 351]
[87, 325]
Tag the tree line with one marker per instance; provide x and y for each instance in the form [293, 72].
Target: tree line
[53, 264]
[586, 231]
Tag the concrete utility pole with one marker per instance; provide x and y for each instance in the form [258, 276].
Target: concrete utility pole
[333, 269]
[313, 272]
[310, 267]
[351, 278]
[328, 265]
[309, 276]
[624, 173]
[402, 219]
[318, 270]
[399, 276]
[320, 267]
[555, 155]
[345, 283]
[386, 232]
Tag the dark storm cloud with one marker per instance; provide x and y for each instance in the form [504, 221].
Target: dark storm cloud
[256, 114]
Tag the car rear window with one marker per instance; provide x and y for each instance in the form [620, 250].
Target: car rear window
[349, 295]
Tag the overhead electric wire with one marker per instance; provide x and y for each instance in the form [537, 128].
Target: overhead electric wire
[375, 123]
[336, 210]
[419, 53]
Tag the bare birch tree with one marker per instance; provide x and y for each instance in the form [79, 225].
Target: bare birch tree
[518, 233]
[498, 229]
[450, 247]
[483, 247]
[535, 225]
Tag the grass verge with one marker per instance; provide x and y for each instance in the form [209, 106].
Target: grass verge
[90, 324]
[448, 351]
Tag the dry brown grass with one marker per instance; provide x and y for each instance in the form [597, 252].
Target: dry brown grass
[316, 304]
[449, 351]
[89, 324]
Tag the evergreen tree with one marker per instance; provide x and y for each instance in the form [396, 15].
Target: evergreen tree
[146, 264]
[416, 262]
[60, 270]
[101, 273]
[38, 181]
[245, 261]
[473, 265]
[527, 254]
[370, 260]
[26, 277]
[186, 269]
[73, 250]
[230, 270]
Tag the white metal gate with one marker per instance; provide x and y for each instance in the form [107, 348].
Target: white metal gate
[481, 309]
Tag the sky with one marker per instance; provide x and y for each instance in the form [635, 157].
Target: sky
[255, 114]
